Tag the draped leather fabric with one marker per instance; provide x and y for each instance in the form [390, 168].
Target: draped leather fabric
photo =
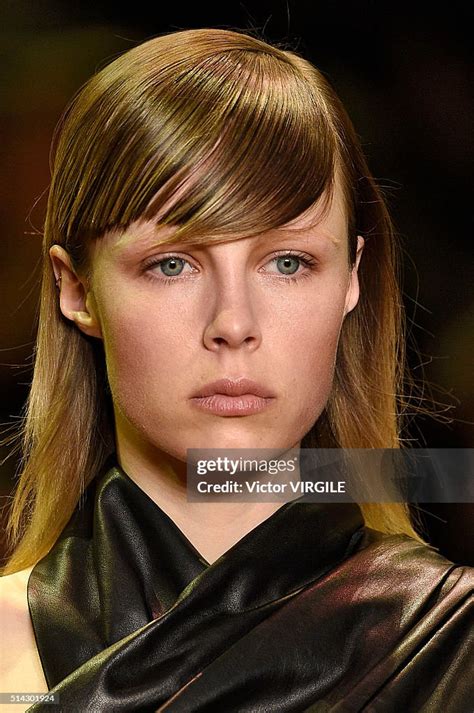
[309, 611]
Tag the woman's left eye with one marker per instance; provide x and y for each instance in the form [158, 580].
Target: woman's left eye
[172, 267]
[289, 262]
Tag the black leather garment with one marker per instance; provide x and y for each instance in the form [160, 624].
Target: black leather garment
[310, 611]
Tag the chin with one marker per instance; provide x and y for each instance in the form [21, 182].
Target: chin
[239, 438]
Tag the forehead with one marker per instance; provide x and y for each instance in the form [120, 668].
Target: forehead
[325, 222]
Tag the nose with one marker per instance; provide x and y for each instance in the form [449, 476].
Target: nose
[234, 321]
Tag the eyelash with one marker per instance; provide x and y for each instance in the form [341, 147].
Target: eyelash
[307, 260]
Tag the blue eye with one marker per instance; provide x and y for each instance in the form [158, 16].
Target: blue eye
[289, 263]
[175, 263]
[283, 261]
[172, 267]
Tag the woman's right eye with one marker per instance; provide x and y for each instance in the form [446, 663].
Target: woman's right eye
[169, 268]
[173, 264]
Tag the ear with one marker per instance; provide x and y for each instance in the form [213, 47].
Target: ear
[75, 300]
[353, 290]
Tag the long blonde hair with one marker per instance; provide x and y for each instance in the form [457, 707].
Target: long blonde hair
[270, 133]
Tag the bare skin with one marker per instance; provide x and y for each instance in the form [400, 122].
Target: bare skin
[230, 313]
[20, 665]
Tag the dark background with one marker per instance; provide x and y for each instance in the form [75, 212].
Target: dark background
[403, 73]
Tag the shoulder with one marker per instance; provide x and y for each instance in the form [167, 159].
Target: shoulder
[12, 585]
[415, 610]
[402, 548]
[13, 599]
[415, 570]
[20, 665]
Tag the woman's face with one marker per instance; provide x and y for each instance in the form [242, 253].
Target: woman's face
[235, 309]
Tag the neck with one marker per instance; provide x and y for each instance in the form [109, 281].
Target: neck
[211, 527]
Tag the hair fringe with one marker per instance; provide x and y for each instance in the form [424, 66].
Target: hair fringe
[255, 134]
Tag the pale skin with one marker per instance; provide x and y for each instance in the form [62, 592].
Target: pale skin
[231, 311]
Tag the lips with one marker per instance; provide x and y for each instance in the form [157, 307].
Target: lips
[234, 387]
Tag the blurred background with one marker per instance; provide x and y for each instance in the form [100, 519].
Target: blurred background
[403, 74]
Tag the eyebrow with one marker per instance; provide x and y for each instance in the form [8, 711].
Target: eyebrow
[130, 240]
[320, 233]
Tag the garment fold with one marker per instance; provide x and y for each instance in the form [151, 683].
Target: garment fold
[310, 608]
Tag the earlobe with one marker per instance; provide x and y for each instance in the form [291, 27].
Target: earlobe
[75, 301]
[86, 322]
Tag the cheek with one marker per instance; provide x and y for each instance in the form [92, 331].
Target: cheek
[154, 355]
[142, 347]
[308, 355]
